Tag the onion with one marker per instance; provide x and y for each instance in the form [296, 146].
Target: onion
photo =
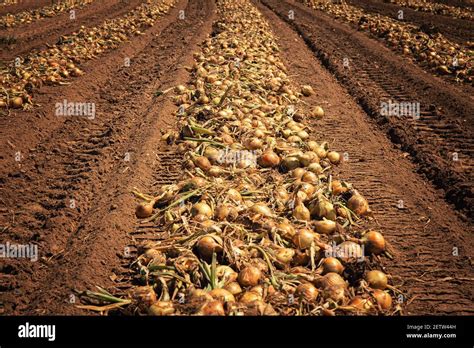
[222, 295]
[234, 195]
[315, 168]
[307, 188]
[222, 211]
[307, 291]
[254, 144]
[301, 212]
[298, 173]
[331, 264]
[249, 297]
[144, 295]
[143, 211]
[374, 242]
[307, 90]
[309, 177]
[203, 163]
[334, 157]
[360, 303]
[16, 102]
[208, 245]
[337, 187]
[281, 194]
[317, 112]
[262, 209]
[234, 288]
[287, 230]
[249, 276]
[290, 163]
[320, 151]
[202, 208]
[325, 226]
[161, 308]
[323, 208]
[332, 279]
[226, 274]
[212, 154]
[213, 308]
[303, 238]
[383, 299]
[376, 279]
[269, 159]
[358, 204]
[284, 255]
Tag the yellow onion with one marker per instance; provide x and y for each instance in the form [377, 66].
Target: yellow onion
[317, 112]
[333, 279]
[234, 195]
[161, 308]
[315, 168]
[383, 299]
[222, 295]
[249, 297]
[309, 177]
[301, 212]
[269, 159]
[358, 204]
[307, 291]
[144, 295]
[320, 151]
[222, 212]
[202, 208]
[284, 255]
[203, 163]
[331, 264]
[226, 274]
[303, 238]
[334, 157]
[307, 90]
[249, 276]
[337, 187]
[287, 230]
[262, 209]
[307, 188]
[16, 102]
[298, 173]
[143, 211]
[323, 208]
[290, 163]
[234, 288]
[374, 242]
[212, 154]
[376, 279]
[281, 194]
[213, 308]
[254, 144]
[325, 226]
[363, 304]
[208, 245]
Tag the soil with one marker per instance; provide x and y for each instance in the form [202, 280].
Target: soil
[70, 191]
[24, 5]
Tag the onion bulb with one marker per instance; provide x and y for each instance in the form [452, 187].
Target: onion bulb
[317, 112]
[143, 211]
[301, 212]
[249, 297]
[226, 274]
[331, 264]
[202, 208]
[376, 279]
[284, 255]
[334, 157]
[323, 208]
[208, 245]
[262, 209]
[213, 308]
[303, 238]
[307, 90]
[374, 242]
[161, 308]
[234, 288]
[325, 226]
[222, 295]
[203, 163]
[363, 304]
[249, 276]
[358, 204]
[269, 159]
[307, 291]
[383, 299]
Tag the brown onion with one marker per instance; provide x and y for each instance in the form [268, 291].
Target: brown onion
[374, 242]
[376, 279]
[143, 211]
[212, 308]
[331, 264]
[203, 163]
[325, 226]
[303, 238]
[222, 295]
[249, 276]
[383, 299]
[307, 291]
[269, 159]
[358, 204]
[202, 208]
[208, 245]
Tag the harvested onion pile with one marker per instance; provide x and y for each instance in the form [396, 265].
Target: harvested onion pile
[433, 51]
[437, 8]
[25, 17]
[259, 226]
[60, 62]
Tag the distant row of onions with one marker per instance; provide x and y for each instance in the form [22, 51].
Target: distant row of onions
[60, 62]
[432, 51]
[25, 17]
[258, 226]
[437, 8]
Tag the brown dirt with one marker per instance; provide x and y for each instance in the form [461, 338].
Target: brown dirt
[425, 231]
[48, 30]
[455, 29]
[377, 74]
[458, 3]
[22, 6]
[84, 159]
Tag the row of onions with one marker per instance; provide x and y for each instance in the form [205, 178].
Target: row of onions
[258, 225]
[437, 8]
[25, 17]
[59, 63]
[432, 51]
